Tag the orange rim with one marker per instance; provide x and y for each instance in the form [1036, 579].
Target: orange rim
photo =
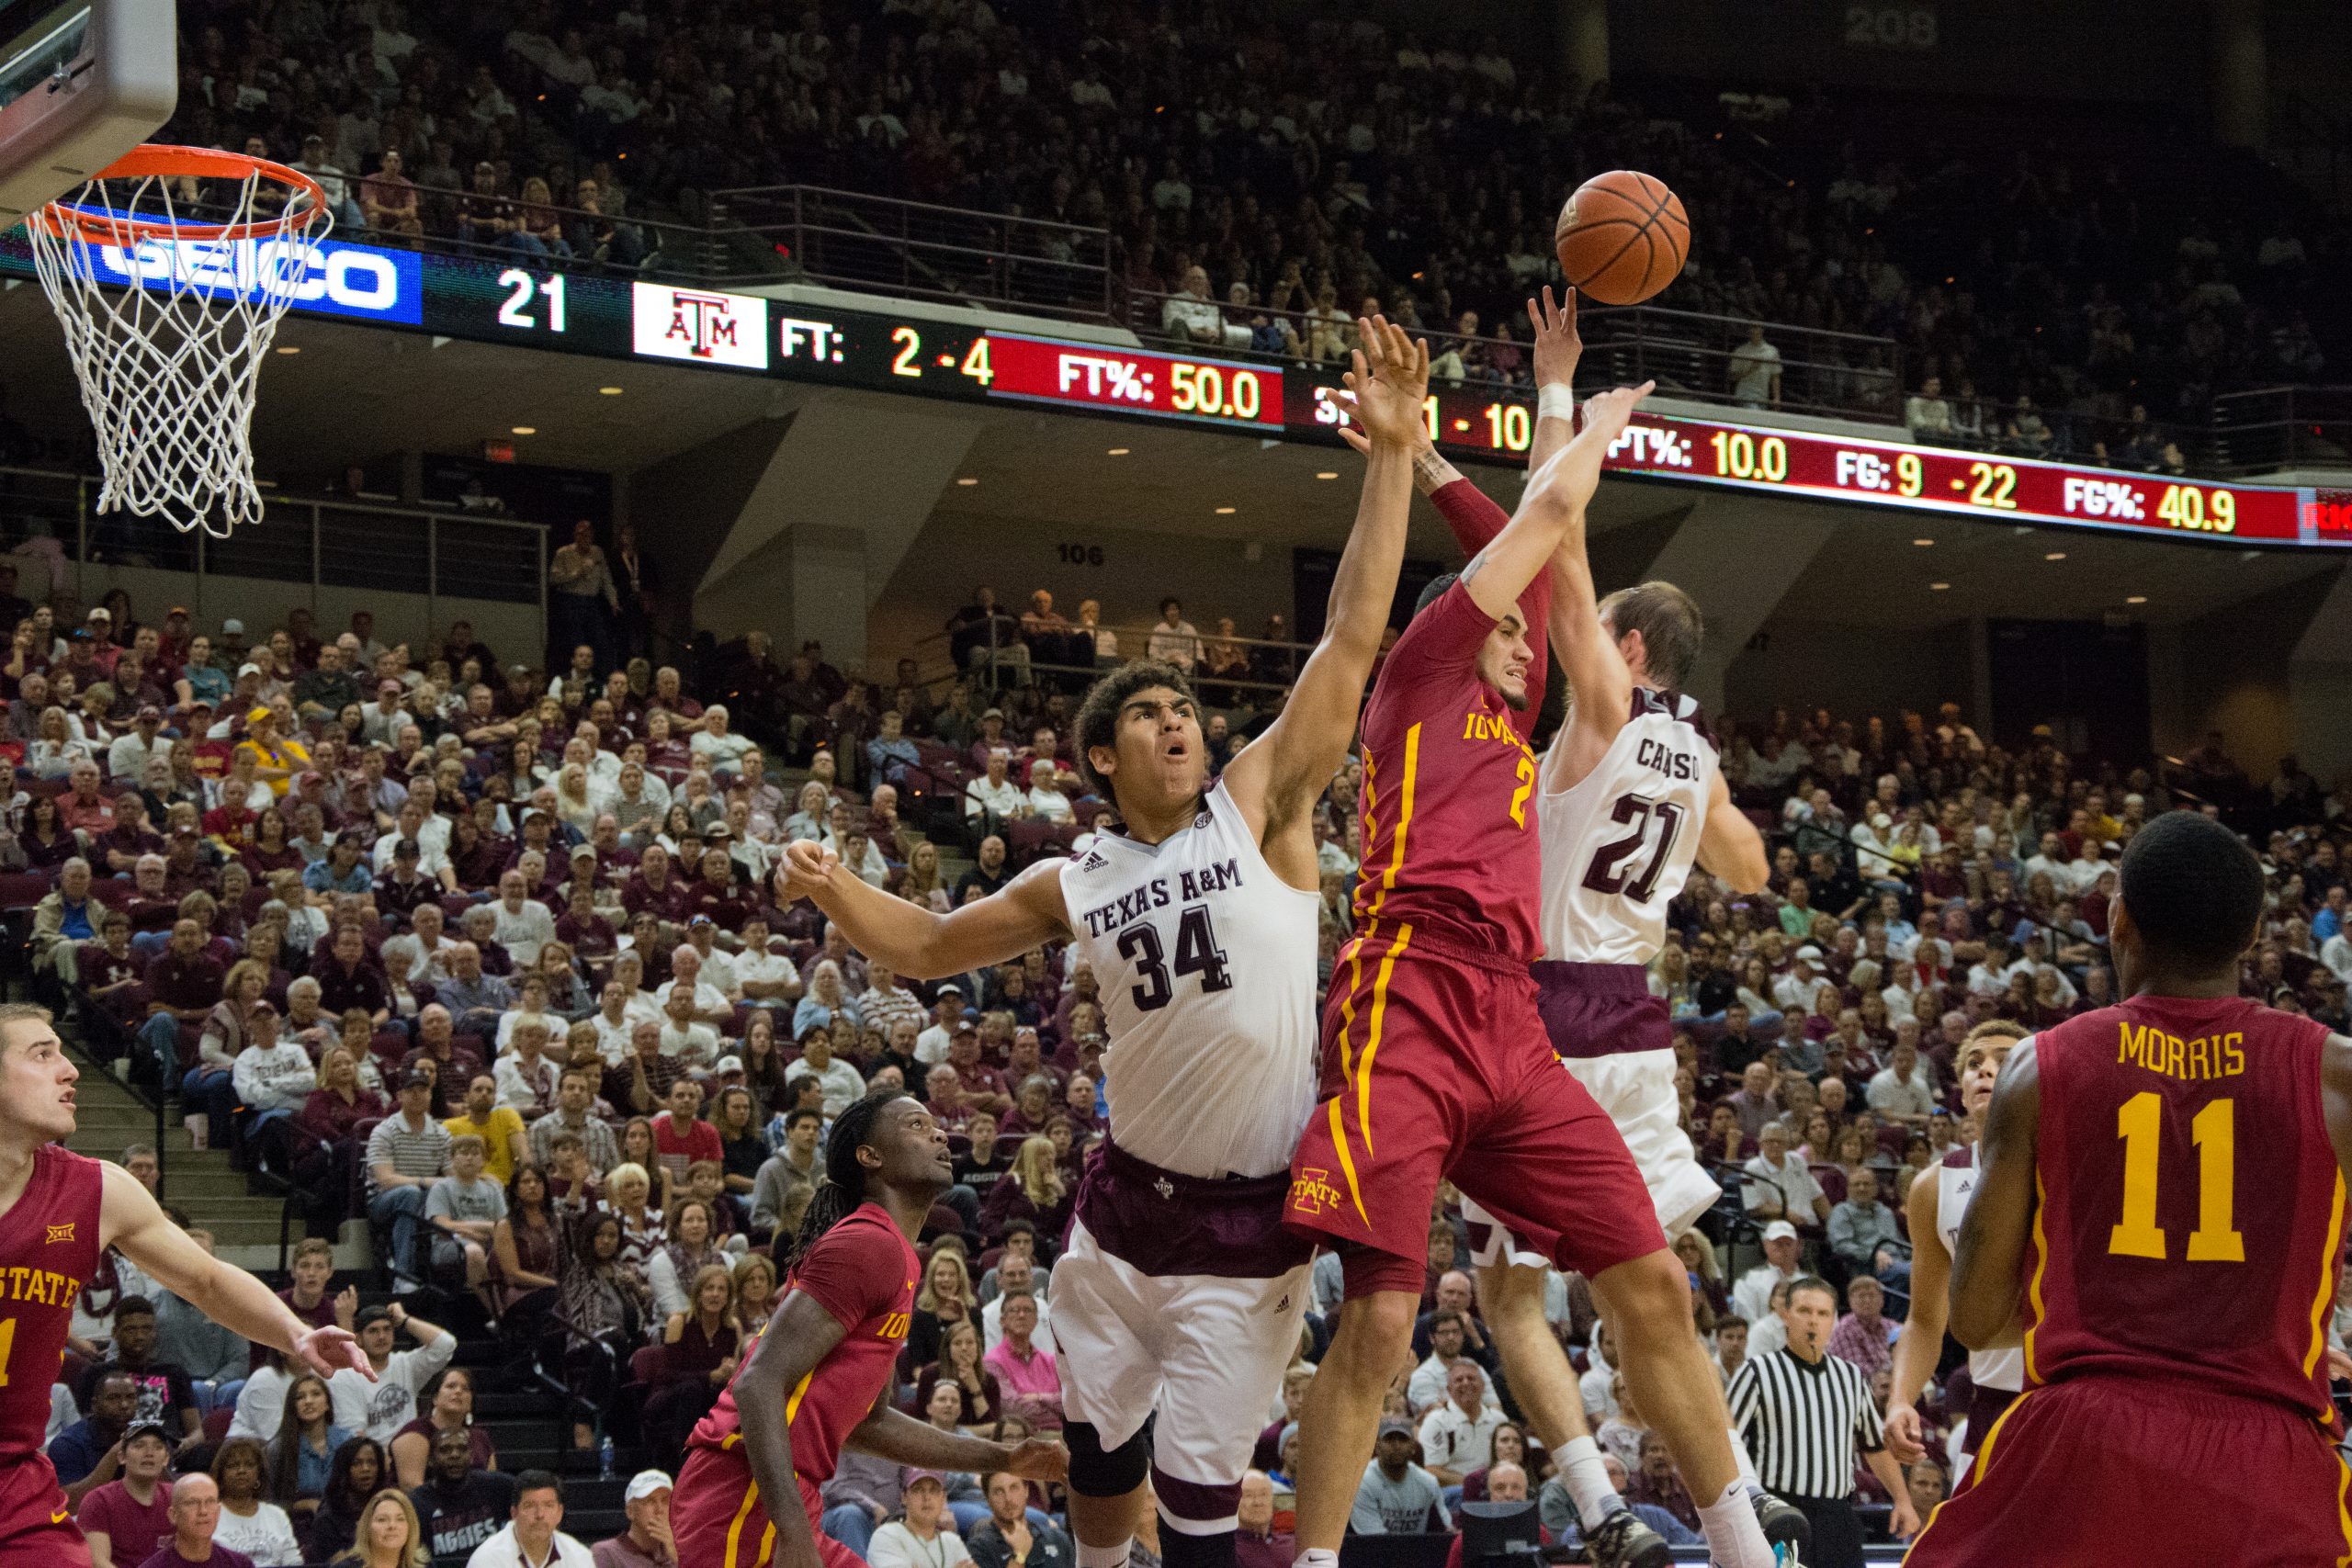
[158, 160]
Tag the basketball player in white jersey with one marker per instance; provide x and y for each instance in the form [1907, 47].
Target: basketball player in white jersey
[1937, 1199]
[1632, 795]
[1180, 1295]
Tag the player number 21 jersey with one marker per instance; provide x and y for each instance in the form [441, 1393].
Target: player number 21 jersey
[1207, 961]
[1619, 845]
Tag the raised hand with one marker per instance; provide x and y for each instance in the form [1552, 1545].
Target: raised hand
[1612, 410]
[1388, 383]
[1557, 347]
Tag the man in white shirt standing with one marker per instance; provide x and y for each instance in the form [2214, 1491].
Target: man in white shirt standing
[1756, 371]
[531, 1538]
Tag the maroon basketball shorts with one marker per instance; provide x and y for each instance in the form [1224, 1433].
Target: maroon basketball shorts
[1436, 1066]
[37, 1527]
[2151, 1471]
[719, 1520]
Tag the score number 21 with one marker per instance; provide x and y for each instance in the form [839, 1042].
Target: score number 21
[521, 286]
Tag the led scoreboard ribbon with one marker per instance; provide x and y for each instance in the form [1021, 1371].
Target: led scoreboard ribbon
[497, 299]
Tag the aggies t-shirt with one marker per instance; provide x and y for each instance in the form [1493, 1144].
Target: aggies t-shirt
[458, 1519]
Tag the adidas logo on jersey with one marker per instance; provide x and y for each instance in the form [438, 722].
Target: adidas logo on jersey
[1093, 861]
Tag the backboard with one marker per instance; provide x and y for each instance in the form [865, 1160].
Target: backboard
[82, 81]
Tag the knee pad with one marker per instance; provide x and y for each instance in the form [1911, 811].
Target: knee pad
[1097, 1472]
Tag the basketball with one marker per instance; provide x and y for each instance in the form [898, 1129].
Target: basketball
[1621, 237]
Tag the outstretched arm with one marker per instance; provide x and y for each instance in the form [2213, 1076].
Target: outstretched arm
[893, 1434]
[1555, 502]
[1277, 778]
[130, 1221]
[1987, 1273]
[1027, 912]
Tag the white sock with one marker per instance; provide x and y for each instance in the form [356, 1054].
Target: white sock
[1747, 1465]
[1105, 1556]
[1734, 1537]
[1316, 1557]
[1587, 1480]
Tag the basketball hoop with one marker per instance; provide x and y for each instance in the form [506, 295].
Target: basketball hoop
[170, 269]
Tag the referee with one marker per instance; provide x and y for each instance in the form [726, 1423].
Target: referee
[1804, 1413]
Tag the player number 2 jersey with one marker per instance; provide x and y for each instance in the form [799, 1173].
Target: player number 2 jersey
[1207, 961]
[49, 1248]
[1620, 843]
[1450, 854]
[2191, 1219]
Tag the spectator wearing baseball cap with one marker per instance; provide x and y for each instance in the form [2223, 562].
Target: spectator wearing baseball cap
[647, 1542]
[925, 1536]
[125, 1519]
[136, 747]
[1751, 1298]
[1396, 1496]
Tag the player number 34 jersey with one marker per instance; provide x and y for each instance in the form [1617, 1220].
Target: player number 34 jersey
[1619, 845]
[1207, 961]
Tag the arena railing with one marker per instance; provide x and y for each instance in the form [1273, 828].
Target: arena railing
[325, 542]
[1012, 658]
[1689, 355]
[2282, 427]
[916, 250]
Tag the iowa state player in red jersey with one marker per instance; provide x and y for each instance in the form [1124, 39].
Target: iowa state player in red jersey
[819, 1376]
[1436, 1065]
[2159, 1220]
[59, 1212]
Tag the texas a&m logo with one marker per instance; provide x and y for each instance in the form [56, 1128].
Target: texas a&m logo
[705, 325]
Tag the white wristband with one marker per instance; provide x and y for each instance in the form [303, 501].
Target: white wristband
[1556, 402]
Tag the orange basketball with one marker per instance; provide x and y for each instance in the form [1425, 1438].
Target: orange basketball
[1621, 237]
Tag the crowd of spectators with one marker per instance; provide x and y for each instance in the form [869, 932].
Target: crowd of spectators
[489, 957]
[1266, 177]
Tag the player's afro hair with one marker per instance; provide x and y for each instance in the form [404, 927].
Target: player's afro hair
[2193, 889]
[1098, 714]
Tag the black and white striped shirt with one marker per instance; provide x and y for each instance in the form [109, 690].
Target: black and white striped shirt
[1803, 1422]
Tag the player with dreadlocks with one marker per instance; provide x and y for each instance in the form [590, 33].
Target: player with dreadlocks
[818, 1378]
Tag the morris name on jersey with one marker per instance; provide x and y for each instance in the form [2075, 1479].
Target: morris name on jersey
[1188, 885]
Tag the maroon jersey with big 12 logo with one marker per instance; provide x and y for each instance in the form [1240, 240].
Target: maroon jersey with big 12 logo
[49, 1250]
[2191, 1218]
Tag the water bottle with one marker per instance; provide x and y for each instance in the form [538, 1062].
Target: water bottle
[605, 1461]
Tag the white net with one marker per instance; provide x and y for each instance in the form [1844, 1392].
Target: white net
[168, 334]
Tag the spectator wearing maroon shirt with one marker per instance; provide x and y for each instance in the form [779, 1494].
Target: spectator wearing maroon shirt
[655, 890]
[334, 1111]
[184, 868]
[183, 987]
[437, 1038]
[130, 835]
[127, 1520]
[308, 1297]
[982, 1085]
[349, 980]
